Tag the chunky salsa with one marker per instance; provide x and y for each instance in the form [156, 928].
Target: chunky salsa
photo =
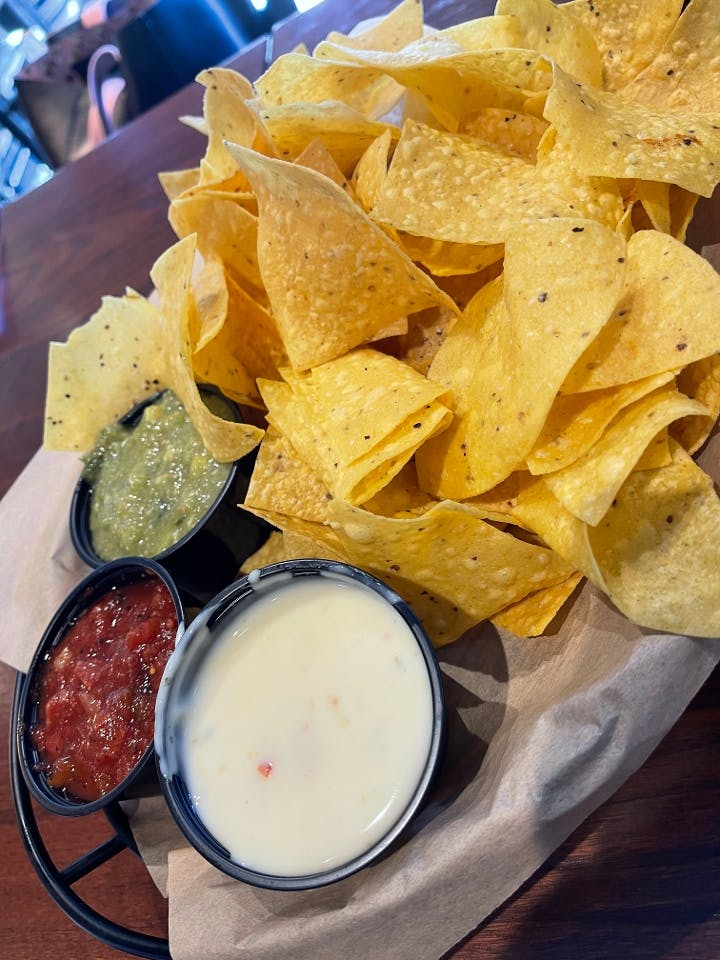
[152, 481]
[97, 688]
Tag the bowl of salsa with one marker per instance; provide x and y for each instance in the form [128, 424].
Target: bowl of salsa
[149, 488]
[300, 724]
[87, 705]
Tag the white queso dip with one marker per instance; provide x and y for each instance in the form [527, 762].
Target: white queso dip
[310, 724]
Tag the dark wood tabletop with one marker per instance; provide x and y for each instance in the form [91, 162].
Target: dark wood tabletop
[639, 880]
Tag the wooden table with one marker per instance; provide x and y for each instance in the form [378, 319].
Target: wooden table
[640, 880]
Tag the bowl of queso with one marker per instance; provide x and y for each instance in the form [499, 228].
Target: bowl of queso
[149, 488]
[300, 724]
[87, 704]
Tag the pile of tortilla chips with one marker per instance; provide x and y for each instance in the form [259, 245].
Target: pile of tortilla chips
[449, 269]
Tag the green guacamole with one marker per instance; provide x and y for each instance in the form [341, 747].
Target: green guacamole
[152, 482]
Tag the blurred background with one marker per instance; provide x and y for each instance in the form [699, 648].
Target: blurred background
[73, 71]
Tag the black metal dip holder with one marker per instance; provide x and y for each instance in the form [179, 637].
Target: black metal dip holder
[28, 783]
[59, 881]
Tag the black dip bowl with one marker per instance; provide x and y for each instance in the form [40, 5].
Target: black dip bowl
[209, 555]
[142, 779]
[175, 709]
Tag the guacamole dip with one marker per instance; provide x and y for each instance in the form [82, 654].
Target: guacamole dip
[151, 482]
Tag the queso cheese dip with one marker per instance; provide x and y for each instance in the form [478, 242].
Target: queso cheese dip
[309, 725]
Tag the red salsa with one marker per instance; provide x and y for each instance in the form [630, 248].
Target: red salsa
[97, 688]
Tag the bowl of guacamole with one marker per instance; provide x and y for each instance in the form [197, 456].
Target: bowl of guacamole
[149, 488]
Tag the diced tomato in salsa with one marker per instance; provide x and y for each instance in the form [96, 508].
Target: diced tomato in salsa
[97, 689]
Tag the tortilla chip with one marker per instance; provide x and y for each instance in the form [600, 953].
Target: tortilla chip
[551, 30]
[483, 569]
[175, 182]
[401, 497]
[251, 333]
[500, 499]
[224, 440]
[597, 198]
[287, 546]
[296, 78]
[225, 231]
[577, 420]
[683, 74]
[657, 454]
[345, 132]
[609, 136]
[483, 33]
[459, 189]
[356, 420]
[316, 156]
[105, 367]
[401, 26]
[518, 133]
[531, 616]
[655, 198]
[454, 83]
[444, 259]
[425, 333]
[227, 117]
[628, 33]
[274, 550]
[588, 486]
[507, 356]
[665, 319]
[371, 170]
[220, 363]
[283, 482]
[682, 207]
[653, 552]
[286, 492]
[367, 280]
[656, 549]
[701, 381]
[209, 304]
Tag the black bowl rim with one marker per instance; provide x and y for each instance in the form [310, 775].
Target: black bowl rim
[82, 494]
[173, 788]
[101, 577]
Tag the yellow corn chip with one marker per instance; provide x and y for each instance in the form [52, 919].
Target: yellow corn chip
[628, 33]
[371, 170]
[588, 486]
[576, 421]
[609, 136]
[345, 132]
[506, 358]
[103, 369]
[356, 420]
[518, 133]
[367, 280]
[171, 274]
[401, 26]
[175, 182]
[701, 381]
[683, 74]
[664, 320]
[552, 30]
[483, 569]
[209, 304]
[456, 188]
[454, 83]
[224, 230]
[531, 616]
